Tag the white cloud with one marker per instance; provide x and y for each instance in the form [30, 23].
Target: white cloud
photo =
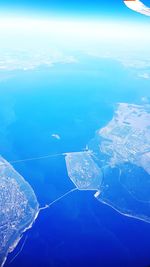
[138, 63]
[144, 75]
[30, 60]
[30, 43]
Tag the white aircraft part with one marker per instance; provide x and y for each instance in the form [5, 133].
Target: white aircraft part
[138, 6]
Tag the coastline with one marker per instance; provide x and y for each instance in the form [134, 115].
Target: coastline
[25, 187]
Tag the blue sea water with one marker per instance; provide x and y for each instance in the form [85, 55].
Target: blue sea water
[72, 100]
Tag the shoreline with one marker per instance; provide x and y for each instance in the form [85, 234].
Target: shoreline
[17, 240]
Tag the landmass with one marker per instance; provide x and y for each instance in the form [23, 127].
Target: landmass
[120, 154]
[83, 164]
[18, 208]
[127, 136]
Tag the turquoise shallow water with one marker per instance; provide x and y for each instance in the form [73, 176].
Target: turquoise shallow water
[72, 101]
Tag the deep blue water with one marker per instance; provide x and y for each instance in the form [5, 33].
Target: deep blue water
[73, 101]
